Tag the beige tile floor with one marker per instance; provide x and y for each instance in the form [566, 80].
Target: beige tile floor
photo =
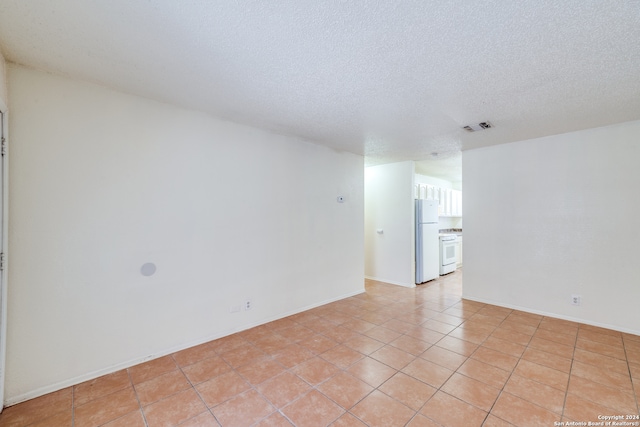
[389, 357]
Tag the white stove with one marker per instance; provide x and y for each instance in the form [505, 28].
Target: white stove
[448, 255]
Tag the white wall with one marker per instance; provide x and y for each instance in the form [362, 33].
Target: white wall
[3, 81]
[102, 182]
[389, 206]
[556, 216]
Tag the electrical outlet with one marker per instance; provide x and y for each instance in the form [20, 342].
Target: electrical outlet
[576, 299]
[247, 304]
[234, 309]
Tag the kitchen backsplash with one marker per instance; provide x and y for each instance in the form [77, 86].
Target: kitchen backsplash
[450, 230]
[449, 222]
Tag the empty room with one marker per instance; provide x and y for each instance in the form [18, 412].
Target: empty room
[244, 213]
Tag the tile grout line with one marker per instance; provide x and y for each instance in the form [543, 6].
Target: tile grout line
[510, 374]
[480, 344]
[144, 418]
[345, 370]
[416, 412]
[439, 388]
[580, 327]
[286, 369]
[527, 346]
[340, 370]
[73, 406]
[573, 358]
[194, 389]
[633, 388]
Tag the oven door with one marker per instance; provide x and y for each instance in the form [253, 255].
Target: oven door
[449, 255]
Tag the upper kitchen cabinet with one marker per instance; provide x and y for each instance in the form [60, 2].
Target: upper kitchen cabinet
[426, 191]
[449, 200]
[453, 203]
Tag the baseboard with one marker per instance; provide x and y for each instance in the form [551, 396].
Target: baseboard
[391, 282]
[132, 362]
[554, 315]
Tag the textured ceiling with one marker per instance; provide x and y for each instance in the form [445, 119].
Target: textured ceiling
[393, 80]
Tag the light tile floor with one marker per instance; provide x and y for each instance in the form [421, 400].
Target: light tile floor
[389, 357]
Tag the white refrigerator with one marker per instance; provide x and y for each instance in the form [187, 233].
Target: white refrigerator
[427, 244]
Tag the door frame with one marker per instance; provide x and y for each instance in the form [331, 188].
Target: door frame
[4, 234]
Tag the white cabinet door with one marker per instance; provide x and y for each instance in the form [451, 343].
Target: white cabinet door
[459, 253]
[456, 203]
[431, 192]
[449, 201]
[445, 201]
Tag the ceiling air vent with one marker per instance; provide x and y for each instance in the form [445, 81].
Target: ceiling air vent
[478, 126]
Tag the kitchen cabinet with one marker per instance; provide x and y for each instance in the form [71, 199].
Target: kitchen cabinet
[456, 203]
[459, 252]
[426, 192]
[449, 201]
[445, 202]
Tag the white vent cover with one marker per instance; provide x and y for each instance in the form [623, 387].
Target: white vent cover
[478, 126]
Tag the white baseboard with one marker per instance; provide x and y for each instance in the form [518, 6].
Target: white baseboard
[129, 363]
[391, 282]
[554, 315]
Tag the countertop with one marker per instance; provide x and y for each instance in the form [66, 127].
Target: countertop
[457, 231]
